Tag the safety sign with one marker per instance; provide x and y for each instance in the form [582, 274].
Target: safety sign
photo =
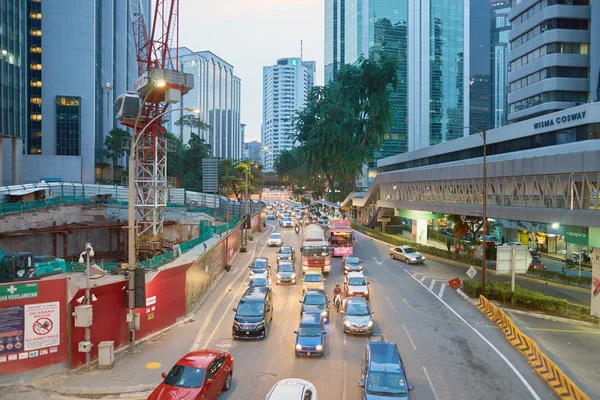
[42, 325]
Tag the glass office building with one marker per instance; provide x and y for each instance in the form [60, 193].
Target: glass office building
[499, 61]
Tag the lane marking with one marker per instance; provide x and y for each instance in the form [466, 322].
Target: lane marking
[283, 331]
[432, 284]
[422, 279]
[375, 280]
[344, 379]
[441, 293]
[508, 363]
[564, 331]
[393, 308]
[292, 298]
[430, 384]
[409, 338]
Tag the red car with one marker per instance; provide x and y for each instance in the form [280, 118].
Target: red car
[199, 375]
[536, 263]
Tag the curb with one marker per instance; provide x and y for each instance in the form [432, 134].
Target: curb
[103, 391]
[550, 317]
[464, 296]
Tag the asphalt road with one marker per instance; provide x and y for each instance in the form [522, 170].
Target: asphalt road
[449, 353]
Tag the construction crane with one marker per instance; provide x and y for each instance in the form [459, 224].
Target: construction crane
[159, 85]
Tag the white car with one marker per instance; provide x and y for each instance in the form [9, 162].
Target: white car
[286, 222]
[514, 244]
[292, 389]
[356, 285]
[275, 240]
[270, 215]
[407, 254]
[260, 280]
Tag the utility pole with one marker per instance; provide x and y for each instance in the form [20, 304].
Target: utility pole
[246, 216]
[484, 225]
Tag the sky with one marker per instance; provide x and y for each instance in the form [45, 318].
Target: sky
[250, 34]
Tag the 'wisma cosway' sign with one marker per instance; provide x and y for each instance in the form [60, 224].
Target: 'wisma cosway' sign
[560, 120]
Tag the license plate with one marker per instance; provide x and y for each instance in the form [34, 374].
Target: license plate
[247, 333]
[309, 353]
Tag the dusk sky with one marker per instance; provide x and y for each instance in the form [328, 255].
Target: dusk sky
[250, 34]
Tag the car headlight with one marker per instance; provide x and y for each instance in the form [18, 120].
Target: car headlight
[370, 324]
[293, 276]
[298, 347]
[324, 313]
[278, 257]
[347, 323]
[319, 347]
[304, 287]
[278, 276]
[366, 291]
[350, 292]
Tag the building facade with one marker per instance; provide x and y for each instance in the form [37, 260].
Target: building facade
[285, 89]
[253, 151]
[480, 88]
[217, 93]
[500, 28]
[553, 56]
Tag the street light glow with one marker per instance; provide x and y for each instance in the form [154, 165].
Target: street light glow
[4, 52]
[194, 110]
[160, 83]
[555, 225]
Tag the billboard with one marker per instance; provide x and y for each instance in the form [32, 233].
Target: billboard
[210, 175]
[596, 282]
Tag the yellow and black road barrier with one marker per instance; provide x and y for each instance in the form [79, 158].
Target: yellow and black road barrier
[562, 385]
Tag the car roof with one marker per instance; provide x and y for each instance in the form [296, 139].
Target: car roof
[289, 262]
[356, 300]
[384, 357]
[255, 293]
[261, 259]
[352, 259]
[275, 234]
[285, 247]
[406, 247]
[200, 358]
[311, 318]
[356, 275]
[262, 275]
[318, 291]
[289, 389]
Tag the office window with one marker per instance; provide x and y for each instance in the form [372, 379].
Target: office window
[68, 126]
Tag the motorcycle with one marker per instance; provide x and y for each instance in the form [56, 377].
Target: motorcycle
[534, 253]
[297, 229]
[337, 301]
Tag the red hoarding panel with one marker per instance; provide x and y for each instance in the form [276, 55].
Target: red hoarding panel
[165, 300]
[108, 323]
[256, 222]
[33, 325]
[233, 244]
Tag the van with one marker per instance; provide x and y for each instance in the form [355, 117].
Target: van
[382, 373]
[253, 314]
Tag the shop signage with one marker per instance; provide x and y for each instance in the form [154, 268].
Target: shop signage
[576, 235]
[18, 291]
[563, 119]
[418, 215]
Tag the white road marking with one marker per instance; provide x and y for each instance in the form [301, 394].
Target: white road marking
[409, 338]
[432, 284]
[430, 384]
[393, 308]
[344, 379]
[422, 279]
[441, 293]
[508, 363]
[375, 280]
[291, 303]
[283, 331]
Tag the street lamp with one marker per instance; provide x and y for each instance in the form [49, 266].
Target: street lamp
[247, 205]
[89, 252]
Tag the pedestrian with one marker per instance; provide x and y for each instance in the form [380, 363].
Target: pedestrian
[503, 239]
[457, 248]
[448, 245]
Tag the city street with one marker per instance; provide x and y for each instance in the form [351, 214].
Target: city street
[448, 354]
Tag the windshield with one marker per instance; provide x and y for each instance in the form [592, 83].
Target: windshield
[382, 383]
[341, 241]
[310, 251]
[285, 250]
[259, 264]
[258, 282]
[313, 278]
[309, 330]
[286, 219]
[314, 300]
[275, 236]
[255, 309]
[357, 309]
[352, 260]
[356, 281]
[185, 377]
[285, 268]
[409, 250]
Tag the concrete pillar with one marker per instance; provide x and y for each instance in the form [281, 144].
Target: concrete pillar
[17, 161]
[419, 231]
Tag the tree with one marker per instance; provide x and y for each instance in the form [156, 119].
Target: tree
[464, 225]
[175, 159]
[193, 122]
[191, 170]
[114, 147]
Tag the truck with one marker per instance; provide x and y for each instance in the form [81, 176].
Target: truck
[24, 266]
[315, 249]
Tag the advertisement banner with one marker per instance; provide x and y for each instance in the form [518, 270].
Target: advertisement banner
[11, 329]
[596, 282]
[576, 235]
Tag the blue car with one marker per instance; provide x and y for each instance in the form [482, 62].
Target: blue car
[383, 374]
[310, 336]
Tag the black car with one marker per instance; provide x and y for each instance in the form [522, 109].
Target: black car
[310, 336]
[253, 314]
[286, 253]
[315, 301]
[286, 272]
[260, 265]
[382, 373]
[352, 264]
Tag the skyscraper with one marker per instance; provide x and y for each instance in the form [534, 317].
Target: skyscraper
[479, 66]
[253, 151]
[553, 46]
[217, 93]
[285, 89]
[499, 61]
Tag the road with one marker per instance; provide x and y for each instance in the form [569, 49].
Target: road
[449, 348]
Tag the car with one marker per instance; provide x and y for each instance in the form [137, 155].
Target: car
[313, 279]
[292, 389]
[536, 263]
[275, 239]
[260, 265]
[356, 285]
[513, 244]
[286, 222]
[271, 215]
[201, 374]
[382, 373]
[310, 336]
[286, 253]
[253, 314]
[325, 219]
[352, 264]
[447, 232]
[263, 279]
[315, 301]
[286, 272]
[407, 254]
[358, 317]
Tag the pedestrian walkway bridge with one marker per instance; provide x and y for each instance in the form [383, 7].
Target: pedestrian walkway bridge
[557, 184]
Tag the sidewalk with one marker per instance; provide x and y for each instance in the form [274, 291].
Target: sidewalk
[140, 372]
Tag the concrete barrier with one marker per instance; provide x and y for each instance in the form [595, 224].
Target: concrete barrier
[560, 383]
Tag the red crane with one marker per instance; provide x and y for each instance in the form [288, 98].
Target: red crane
[159, 85]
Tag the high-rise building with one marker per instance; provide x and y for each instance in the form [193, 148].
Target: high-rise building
[479, 66]
[553, 47]
[253, 151]
[285, 89]
[433, 77]
[13, 74]
[217, 93]
[69, 103]
[500, 29]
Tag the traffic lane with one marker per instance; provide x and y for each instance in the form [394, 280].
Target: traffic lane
[572, 347]
[459, 363]
[557, 266]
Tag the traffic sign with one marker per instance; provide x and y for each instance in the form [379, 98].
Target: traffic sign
[509, 257]
[471, 272]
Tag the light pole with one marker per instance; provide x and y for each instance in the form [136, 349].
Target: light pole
[89, 252]
[484, 225]
[247, 205]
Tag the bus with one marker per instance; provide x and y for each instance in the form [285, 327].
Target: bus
[340, 239]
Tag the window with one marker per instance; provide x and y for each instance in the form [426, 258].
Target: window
[68, 126]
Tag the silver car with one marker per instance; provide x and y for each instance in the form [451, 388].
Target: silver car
[275, 240]
[358, 317]
[407, 254]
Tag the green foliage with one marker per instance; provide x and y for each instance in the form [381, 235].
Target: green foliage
[522, 298]
[232, 178]
[185, 163]
[113, 144]
[466, 224]
[584, 310]
[194, 122]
